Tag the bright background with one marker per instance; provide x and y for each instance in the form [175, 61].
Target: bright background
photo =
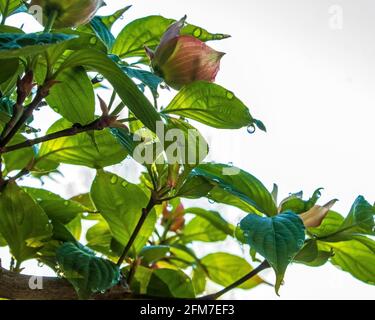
[305, 68]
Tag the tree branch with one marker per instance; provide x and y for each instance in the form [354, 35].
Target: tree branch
[264, 265]
[98, 124]
[16, 286]
[145, 213]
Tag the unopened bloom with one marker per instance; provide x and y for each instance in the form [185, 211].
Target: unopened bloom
[315, 216]
[181, 59]
[70, 13]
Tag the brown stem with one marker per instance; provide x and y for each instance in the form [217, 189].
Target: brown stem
[144, 215]
[264, 265]
[16, 286]
[98, 124]
[13, 127]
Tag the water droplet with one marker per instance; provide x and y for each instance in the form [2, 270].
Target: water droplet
[230, 164]
[40, 264]
[197, 32]
[124, 184]
[114, 179]
[121, 17]
[230, 95]
[211, 201]
[93, 40]
[169, 207]
[55, 109]
[251, 129]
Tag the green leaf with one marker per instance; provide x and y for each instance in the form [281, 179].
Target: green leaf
[296, 204]
[200, 229]
[80, 149]
[278, 239]
[86, 272]
[148, 31]
[199, 280]
[61, 233]
[360, 220]
[56, 207]
[102, 31]
[12, 6]
[330, 225]
[214, 218]
[151, 254]
[210, 104]
[23, 223]
[236, 187]
[14, 45]
[194, 187]
[311, 255]
[73, 97]
[121, 204]
[125, 88]
[111, 19]
[184, 144]
[356, 256]
[100, 239]
[8, 69]
[225, 269]
[3, 242]
[145, 77]
[169, 283]
[19, 159]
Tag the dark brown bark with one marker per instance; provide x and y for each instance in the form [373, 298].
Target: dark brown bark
[15, 286]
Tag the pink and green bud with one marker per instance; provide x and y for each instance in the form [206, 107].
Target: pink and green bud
[181, 59]
[70, 13]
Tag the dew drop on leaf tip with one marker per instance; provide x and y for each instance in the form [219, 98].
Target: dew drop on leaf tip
[251, 129]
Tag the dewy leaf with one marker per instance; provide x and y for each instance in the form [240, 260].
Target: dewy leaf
[56, 207]
[296, 203]
[236, 187]
[278, 239]
[121, 204]
[360, 220]
[356, 256]
[210, 104]
[169, 283]
[125, 88]
[23, 223]
[111, 19]
[86, 272]
[14, 45]
[225, 269]
[80, 149]
[148, 31]
[73, 97]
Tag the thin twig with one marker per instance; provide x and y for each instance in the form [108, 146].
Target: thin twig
[264, 265]
[144, 215]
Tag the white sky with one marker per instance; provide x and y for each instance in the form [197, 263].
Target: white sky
[311, 84]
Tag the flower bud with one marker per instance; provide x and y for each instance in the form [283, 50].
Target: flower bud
[70, 13]
[181, 59]
[315, 216]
